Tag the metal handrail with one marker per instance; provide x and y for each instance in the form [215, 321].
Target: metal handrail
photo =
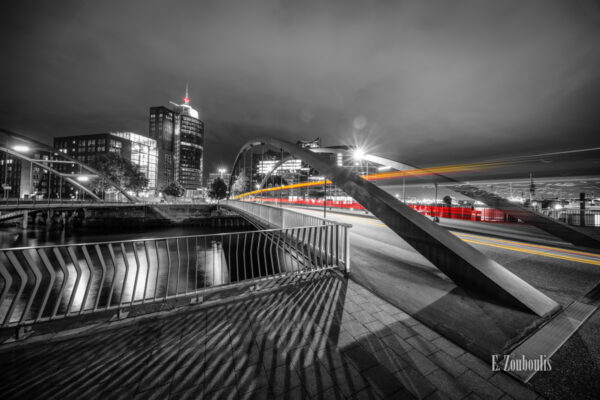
[140, 240]
[256, 211]
[51, 282]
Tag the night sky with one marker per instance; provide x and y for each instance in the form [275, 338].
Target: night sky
[425, 82]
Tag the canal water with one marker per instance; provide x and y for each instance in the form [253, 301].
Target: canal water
[41, 235]
[145, 265]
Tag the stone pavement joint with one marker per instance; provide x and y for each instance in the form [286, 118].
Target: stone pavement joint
[327, 337]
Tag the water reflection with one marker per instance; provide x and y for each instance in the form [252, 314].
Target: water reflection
[84, 277]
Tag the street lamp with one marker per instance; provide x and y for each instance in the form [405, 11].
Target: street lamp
[21, 148]
[222, 171]
[358, 154]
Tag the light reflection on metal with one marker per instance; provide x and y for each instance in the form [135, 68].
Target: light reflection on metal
[75, 279]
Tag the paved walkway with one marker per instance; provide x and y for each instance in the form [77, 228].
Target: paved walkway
[322, 337]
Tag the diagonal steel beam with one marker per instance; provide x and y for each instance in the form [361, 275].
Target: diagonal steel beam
[465, 265]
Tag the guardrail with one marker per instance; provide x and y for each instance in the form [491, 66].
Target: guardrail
[573, 216]
[278, 216]
[53, 282]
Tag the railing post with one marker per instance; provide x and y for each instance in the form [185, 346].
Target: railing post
[347, 251]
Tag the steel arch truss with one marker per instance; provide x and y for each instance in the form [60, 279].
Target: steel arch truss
[465, 265]
[8, 140]
[543, 222]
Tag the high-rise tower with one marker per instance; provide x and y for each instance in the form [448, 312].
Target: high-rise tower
[180, 137]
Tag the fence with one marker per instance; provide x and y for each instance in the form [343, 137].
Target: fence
[572, 216]
[277, 216]
[52, 282]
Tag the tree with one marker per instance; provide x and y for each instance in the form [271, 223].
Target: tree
[447, 200]
[119, 171]
[174, 189]
[218, 189]
[240, 184]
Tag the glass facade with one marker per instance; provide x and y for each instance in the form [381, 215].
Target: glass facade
[144, 153]
[162, 129]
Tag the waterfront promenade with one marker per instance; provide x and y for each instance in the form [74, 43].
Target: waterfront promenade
[314, 336]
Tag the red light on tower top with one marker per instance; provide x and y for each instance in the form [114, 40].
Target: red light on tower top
[186, 99]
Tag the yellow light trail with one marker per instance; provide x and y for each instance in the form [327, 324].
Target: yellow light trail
[388, 175]
[487, 241]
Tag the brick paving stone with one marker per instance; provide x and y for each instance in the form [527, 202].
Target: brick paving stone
[447, 384]
[251, 379]
[476, 365]
[362, 359]
[228, 393]
[301, 357]
[283, 379]
[507, 397]
[418, 361]
[396, 343]
[272, 358]
[385, 318]
[263, 393]
[390, 359]
[348, 379]
[356, 329]
[421, 344]
[480, 386]
[371, 343]
[513, 387]
[156, 393]
[437, 395]
[473, 396]
[426, 332]
[367, 394]
[447, 363]
[187, 377]
[333, 393]
[383, 381]
[378, 328]
[408, 320]
[450, 348]
[364, 316]
[371, 308]
[217, 378]
[315, 380]
[402, 330]
[418, 385]
[331, 358]
[345, 339]
[302, 342]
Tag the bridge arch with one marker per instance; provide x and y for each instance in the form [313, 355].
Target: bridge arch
[465, 265]
[543, 222]
[9, 140]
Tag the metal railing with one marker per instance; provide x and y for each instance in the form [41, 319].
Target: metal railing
[573, 216]
[277, 216]
[52, 282]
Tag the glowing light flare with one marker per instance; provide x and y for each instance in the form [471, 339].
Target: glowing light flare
[186, 100]
[391, 175]
[21, 148]
[358, 154]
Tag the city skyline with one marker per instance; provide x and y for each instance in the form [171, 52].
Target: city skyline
[423, 82]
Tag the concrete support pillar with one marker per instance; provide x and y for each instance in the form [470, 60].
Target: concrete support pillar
[25, 220]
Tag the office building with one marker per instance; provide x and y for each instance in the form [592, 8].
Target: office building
[180, 137]
[162, 130]
[140, 150]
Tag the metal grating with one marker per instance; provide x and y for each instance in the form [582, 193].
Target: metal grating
[552, 336]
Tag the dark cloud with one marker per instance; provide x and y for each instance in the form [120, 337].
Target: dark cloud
[433, 81]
